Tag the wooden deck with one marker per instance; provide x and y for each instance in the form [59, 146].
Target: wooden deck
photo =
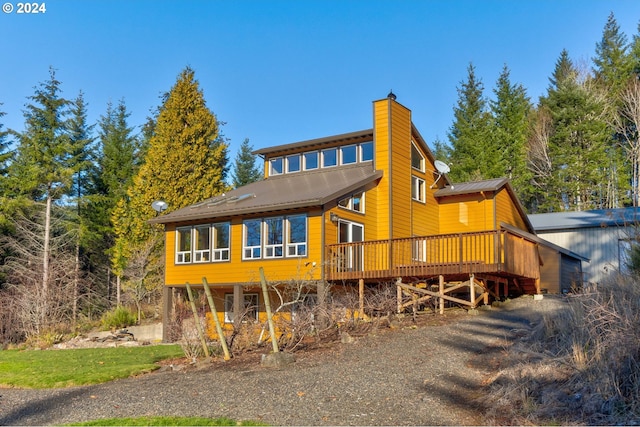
[501, 255]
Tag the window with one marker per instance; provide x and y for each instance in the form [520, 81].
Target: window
[275, 166]
[366, 151]
[274, 229]
[250, 311]
[354, 203]
[417, 160]
[310, 160]
[293, 163]
[348, 154]
[202, 241]
[329, 157]
[221, 241]
[418, 189]
[252, 245]
[183, 245]
[297, 236]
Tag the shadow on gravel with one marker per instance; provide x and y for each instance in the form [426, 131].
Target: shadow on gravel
[37, 408]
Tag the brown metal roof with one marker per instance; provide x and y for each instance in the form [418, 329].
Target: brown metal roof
[351, 137]
[288, 191]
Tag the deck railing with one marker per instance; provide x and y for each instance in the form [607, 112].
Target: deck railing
[497, 252]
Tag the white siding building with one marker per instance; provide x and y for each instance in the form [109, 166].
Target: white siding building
[602, 236]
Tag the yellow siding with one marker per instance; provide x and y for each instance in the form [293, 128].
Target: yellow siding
[460, 214]
[425, 215]
[401, 170]
[238, 270]
[506, 211]
[381, 136]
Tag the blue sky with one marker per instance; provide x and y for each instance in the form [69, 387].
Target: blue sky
[285, 71]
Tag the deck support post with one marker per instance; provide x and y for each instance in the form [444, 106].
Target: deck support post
[238, 302]
[399, 294]
[441, 292]
[361, 299]
[472, 290]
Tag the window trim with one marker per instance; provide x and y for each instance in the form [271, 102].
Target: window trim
[420, 187]
[181, 255]
[355, 153]
[215, 250]
[194, 244]
[250, 255]
[272, 172]
[304, 160]
[322, 157]
[296, 245]
[360, 151]
[287, 169]
[422, 167]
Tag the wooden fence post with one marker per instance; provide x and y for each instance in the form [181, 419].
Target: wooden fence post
[197, 320]
[216, 321]
[267, 306]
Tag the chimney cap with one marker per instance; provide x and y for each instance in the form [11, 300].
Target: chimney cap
[391, 95]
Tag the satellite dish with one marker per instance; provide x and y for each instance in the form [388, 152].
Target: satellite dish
[442, 167]
[159, 206]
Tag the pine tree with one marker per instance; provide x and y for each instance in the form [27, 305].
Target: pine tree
[472, 155]
[510, 132]
[186, 162]
[612, 64]
[245, 169]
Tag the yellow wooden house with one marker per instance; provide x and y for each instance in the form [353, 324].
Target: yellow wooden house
[367, 207]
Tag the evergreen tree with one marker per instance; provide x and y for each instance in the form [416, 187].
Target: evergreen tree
[117, 165]
[42, 173]
[613, 69]
[510, 132]
[5, 155]
[577, 141]
[472, 156]
[186, 162]
[245, 169]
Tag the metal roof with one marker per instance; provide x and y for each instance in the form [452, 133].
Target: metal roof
[472, 187]
[287, 191]
[585, 219]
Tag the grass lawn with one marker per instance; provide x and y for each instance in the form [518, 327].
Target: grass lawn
[64, 368]
[167, 421]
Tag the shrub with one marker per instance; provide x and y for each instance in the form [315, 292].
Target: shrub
[119, 317]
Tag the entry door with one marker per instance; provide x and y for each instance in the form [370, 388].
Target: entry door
[351, 232]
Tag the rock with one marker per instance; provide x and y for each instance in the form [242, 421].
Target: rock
[345, 338]
[277, 360]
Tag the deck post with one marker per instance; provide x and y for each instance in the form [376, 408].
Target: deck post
[238, 303]
[472, 290]
[167, 312]
[361, 298]
[441, 286]
[399, 294]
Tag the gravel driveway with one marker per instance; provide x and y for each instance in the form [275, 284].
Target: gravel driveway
[425, 375]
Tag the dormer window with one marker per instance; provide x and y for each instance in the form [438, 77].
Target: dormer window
[329, 157]
[293, 163]
[348, 154]
[276, 166]
[417, 159]
[366, 151]
[310, 160]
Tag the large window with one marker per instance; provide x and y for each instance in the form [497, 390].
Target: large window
[275, 237]
[183, 245]
[327, 158]
[418, 189]
[250, 308]
[252, 245]
[297, 236]
[221, 241]
[202, 243]
[417, 159]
